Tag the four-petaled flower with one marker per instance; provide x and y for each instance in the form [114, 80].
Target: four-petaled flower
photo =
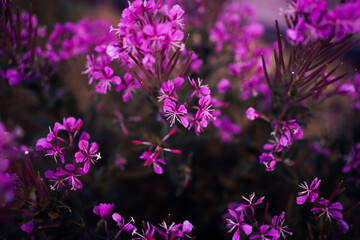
[70, 175]
[278, 224]
[250, 204]
[86, 156]
[265, 232]
[127, 227]
[174, 112]
[106, 78]
[238, 224]
[312, 192]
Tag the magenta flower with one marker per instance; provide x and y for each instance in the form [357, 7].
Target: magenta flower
[175, 16]
[86, 155]
[127, 227]
[332, 211]
[70, 124]
[28, 227]
[56, 152]
[152, 159]
[198, 122]
[312, 192]
[152, 154]
[265, 232]
[238, 224]
[128, 87]
[106, 78]
[70, 175]
[200, 90]
[278, 224]
[59, 181]
[251, 114]
[103, 210]
[253, 87]
[204, 108]
[250, 204]
[168, 89]
[174, 112]
[268, 160]
[223, 86]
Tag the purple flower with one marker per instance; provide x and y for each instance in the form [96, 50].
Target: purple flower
[278, 222]
[14, 77]
[200, 90]
[204, 108]
[106, 78]
[199, 123]
[86, 155]
[70, 175]
[268, 160]
[331, 211]
[250, 204]
[312, 192]
[265, 232]
[168, 89]
[352, 158]
[174, 112]
[152, 154]
[238, 224]
[127, 227]
[152, 159]
[223, 86]
[128, 87]
[59, 181]
[28, 227]
[251, 114]
[253, 87]
[103, 210]
[70, 124]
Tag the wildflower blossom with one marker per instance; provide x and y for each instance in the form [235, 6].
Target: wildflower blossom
[174, 112]
[223, 86]
[268, 160]
[59, 181]
[103, 210]
[238, 224]
[86, 155]
[128, 86]
[311, 192]
[331, 211]
[250, 204]
[251, 114]
[199, 90]
[28, 227]
[278, 224]
[265, 232]
[70, 174]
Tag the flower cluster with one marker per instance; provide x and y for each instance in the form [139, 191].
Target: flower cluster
[283, 136]
[236, 221]
[10, 151]
[236, 27]
[58, 147]
[175, 111]
[71, 39]
[331, 210]
[23, 58]
[313, 21]
[166, 230]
